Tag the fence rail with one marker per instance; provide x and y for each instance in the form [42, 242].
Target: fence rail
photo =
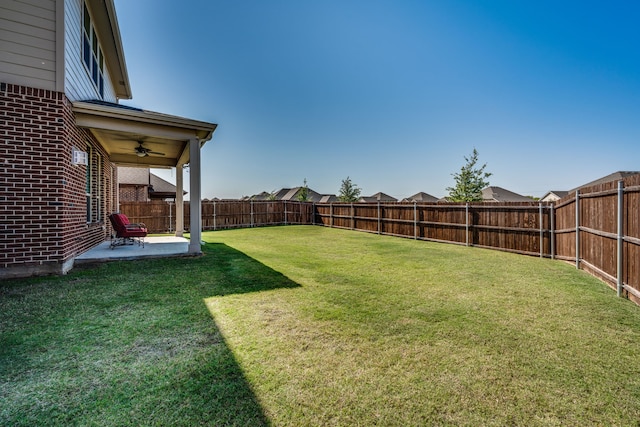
[598, 228]
[159, 216]
[516, 227]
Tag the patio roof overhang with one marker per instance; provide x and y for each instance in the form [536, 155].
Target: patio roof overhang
[175, 141]
[119, 129]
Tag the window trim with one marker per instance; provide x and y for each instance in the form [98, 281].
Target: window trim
[98, 189]
[88, 184]
[92, 57]
[93, 186]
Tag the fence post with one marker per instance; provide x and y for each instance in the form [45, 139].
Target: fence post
[331, 215]
[214, 215]
[251, 212]
[466, 214]
[353, 217]
[415, 220]
[313, 214]
[552, 220]
[578, 229]
[620, 235]
[284, 206]
[379, 218]
[541, 230]
[170, 218]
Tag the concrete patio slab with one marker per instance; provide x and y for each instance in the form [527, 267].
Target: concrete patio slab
[154, 247]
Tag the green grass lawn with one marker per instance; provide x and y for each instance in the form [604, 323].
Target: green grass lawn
[305, 325]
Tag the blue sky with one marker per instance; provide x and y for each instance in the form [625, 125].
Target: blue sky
[393, 94]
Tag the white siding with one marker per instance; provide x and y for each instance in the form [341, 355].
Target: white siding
[78, 86]
[109, 91]
[28, 43]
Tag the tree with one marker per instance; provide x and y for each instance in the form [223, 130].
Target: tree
[469, 181]
[349, 192]
[303, 196]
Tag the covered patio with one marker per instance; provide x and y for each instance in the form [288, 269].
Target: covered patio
[154, 247]
[140, 138]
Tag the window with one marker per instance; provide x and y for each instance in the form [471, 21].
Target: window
[98, 189]
[88, 182]
[93, 186]
[92, 53]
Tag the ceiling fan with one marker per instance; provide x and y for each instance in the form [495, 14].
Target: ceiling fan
[142, 151]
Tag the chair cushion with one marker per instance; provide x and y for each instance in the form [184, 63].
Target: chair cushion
[124, 228]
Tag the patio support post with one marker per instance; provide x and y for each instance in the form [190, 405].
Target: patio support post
[179, 201]
[195, 205]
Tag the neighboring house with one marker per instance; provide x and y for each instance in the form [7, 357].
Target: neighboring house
[140, 185]
[616, 176]
[262, 196]
[421, 197]
[553, 196]
[63, 133]
[329, 198]
[292, 194]
[499, 194]
[378, 197]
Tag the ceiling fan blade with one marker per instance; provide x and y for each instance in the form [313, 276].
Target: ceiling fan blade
[156, 153]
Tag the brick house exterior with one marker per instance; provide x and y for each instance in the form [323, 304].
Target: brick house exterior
[141, 185]
[43, 198]
[52, 206]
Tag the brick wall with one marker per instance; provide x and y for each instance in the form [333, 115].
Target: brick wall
[43, 219]
[79, 232]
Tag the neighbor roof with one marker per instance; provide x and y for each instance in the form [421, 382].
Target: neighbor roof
[499, 194]
[421, 197]
[160, 185]
[378, 197]
[616, 176]
[559, 194]
[328, 198]
[291, 194]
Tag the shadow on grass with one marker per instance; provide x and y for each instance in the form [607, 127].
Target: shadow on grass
[128, 343]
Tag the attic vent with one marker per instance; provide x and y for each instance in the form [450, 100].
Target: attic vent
[79, 157]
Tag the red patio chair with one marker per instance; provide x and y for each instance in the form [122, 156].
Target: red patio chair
[126, 233]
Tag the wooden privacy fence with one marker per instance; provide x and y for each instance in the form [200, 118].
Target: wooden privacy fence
[160, 216]
[218, 215]
[598, 227]
[515, 227]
